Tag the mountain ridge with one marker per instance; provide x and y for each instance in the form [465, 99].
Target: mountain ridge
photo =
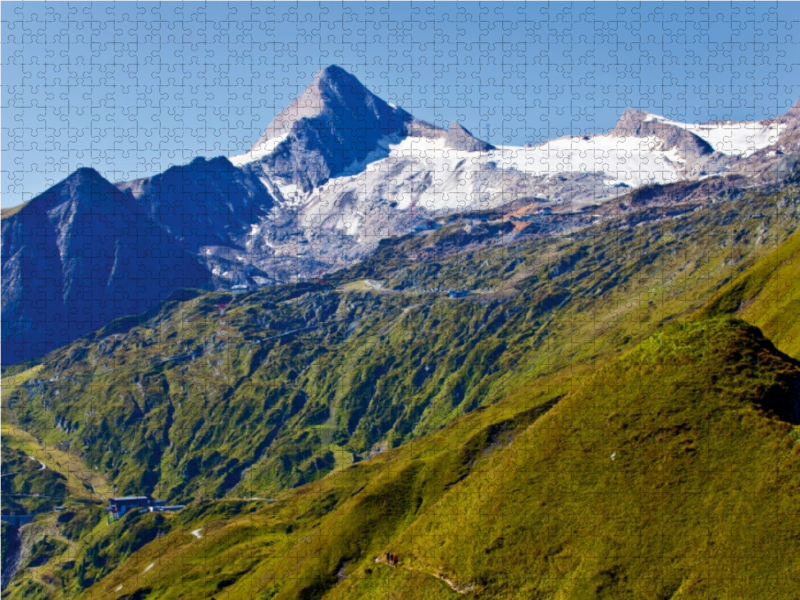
[72, 257]
[339, 170]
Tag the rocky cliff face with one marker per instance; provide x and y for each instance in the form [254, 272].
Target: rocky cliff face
[335, 125]
[641, 124]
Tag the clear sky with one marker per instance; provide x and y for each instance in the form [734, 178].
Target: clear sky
[132, 88]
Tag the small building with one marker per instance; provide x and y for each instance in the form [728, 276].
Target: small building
[119, 506]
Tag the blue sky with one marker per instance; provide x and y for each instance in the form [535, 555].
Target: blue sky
[132, 88]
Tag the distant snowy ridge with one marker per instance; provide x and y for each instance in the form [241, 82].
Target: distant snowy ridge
[733, 138]
[348, 169]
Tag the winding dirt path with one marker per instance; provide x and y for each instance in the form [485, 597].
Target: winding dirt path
[458, 589]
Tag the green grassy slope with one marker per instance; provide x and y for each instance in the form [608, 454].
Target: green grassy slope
[304, 378]
[628, 489]
[25, 480]
[768, 295]
[611, 488]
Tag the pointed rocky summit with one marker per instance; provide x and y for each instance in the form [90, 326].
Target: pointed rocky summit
[334, 126]
[459, 138]
[336, 93]
[638, 123]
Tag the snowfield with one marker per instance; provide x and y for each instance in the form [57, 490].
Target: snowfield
[425, 173]
[264, 149]
[630, 160]
[406, 182]
[733, 138]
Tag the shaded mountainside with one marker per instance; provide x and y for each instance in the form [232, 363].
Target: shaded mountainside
[9, 551]
[583, 486]
[204, 203]
[293, 382]
[79, 256]
[86, 252]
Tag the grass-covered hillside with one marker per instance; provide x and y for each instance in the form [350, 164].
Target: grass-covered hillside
[602, 485]
[298, 381]
[26, 481]
[768, 295]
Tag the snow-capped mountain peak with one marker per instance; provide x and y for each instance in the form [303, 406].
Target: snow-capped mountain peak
[349, 169]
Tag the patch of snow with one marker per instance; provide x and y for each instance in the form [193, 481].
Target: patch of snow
[196, 533]
[150, 566]
[291, 193]
[630, 160]
[264, 149]
[270, 185]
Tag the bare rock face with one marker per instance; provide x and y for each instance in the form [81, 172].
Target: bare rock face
[459, 138]
[639, 123]
[789, 140]
[334, 126]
